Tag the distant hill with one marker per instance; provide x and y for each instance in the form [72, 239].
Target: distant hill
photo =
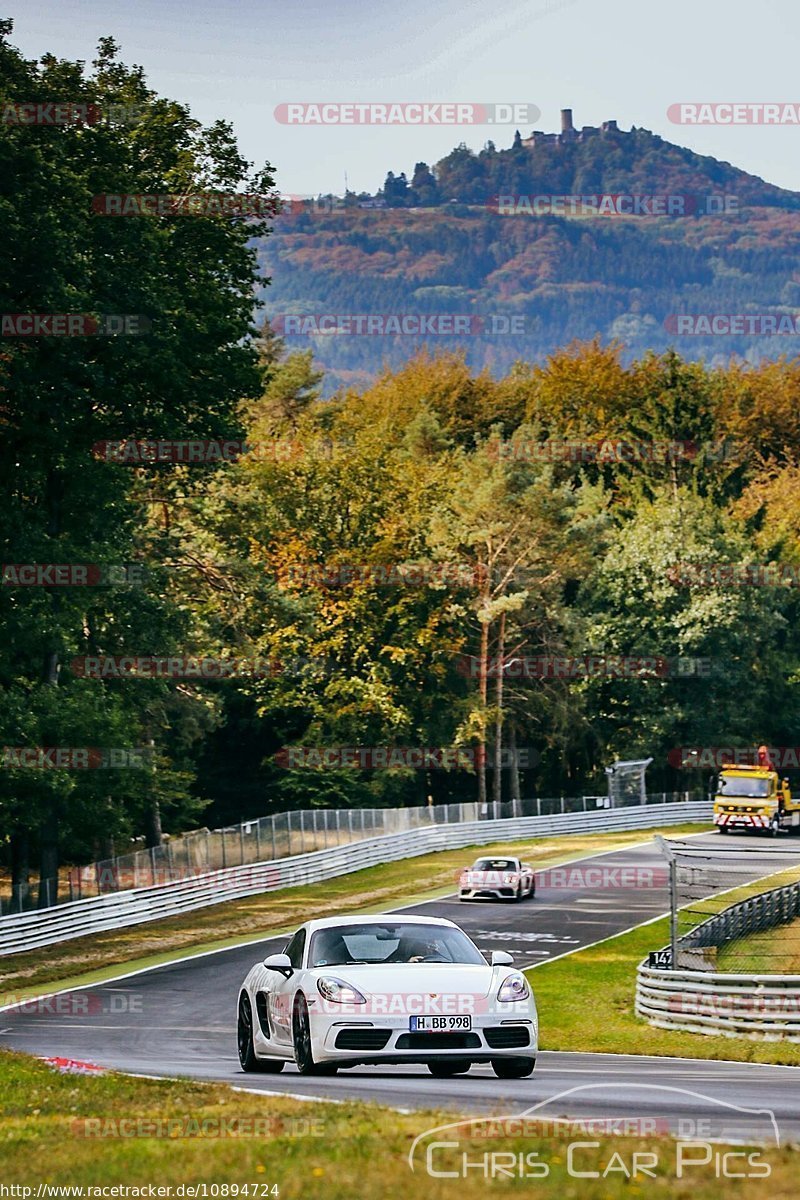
[436, 243]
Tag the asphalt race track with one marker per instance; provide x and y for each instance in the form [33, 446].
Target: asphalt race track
[179, 1019]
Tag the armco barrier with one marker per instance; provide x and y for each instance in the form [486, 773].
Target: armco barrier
[27, 931]
[702, 1000]
[755, 1006]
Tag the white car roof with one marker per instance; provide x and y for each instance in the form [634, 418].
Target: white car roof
[491, 857]
[379, 919]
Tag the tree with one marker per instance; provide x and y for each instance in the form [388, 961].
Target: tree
[395, 190]
[424, 189]
[509, 522]
[190, 280]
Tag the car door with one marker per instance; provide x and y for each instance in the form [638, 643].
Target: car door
[281, 996]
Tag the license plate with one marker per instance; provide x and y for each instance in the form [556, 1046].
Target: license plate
[438, 1024]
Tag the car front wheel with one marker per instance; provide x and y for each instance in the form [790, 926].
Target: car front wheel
[513, 1068]
[301, 1037]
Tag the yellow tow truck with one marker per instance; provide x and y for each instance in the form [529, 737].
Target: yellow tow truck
[754, 797]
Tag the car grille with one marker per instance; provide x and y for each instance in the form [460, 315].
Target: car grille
[504, 1037]
[362, 1039]
[438, 1041]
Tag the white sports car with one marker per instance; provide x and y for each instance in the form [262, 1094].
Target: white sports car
[386, 989]
[496, 878]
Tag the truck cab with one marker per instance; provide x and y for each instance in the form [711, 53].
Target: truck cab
[754, 798]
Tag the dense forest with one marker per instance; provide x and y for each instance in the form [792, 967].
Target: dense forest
[370, 562]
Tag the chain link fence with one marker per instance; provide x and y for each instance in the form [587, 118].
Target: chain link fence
[734, 909]
[281, 836]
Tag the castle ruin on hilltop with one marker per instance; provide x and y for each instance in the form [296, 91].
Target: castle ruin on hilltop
[569, 133]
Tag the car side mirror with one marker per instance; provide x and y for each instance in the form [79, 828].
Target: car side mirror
[279, 962]
[501, 958]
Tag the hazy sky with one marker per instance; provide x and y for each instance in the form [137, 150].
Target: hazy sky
[628, 59]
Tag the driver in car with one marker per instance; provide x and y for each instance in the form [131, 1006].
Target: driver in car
[412, 950]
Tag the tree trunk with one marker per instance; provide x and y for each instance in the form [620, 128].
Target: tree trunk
[105, 847]
[153, 836]
[516, 796]
[498, 726]
[482, 691]
[48, 829]
[20, 870]
[48, 858]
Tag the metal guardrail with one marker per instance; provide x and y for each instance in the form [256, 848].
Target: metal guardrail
[282, 835]
[702, 1000]
[759, 1006]
[27, 931]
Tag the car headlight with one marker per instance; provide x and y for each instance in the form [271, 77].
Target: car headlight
[338, 992]
[515, 987]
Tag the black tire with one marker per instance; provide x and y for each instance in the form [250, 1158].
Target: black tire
[532, 892]
[513, 1068]
[301, 1039]
[722, 829]
[518, 895]
[446, 1067]
[244, 1042]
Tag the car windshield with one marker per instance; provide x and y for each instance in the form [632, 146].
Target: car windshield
[394, 942]
[752, 789]
[495, 864]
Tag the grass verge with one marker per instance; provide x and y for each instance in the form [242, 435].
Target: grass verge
[63, 1130]
[90, 959]
[771, 952]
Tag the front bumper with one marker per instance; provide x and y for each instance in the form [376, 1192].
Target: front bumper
[742, 820]
[389, 1039]
[498, 893]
